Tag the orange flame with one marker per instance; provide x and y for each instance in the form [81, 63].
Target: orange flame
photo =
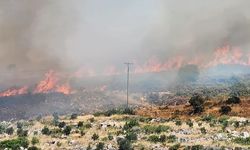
[47, 84]
[65, 89]
[14, 91]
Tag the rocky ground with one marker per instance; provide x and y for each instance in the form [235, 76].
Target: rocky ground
[122, 131]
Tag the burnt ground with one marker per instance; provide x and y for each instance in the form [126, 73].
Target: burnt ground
[32, 105]
[183, 111]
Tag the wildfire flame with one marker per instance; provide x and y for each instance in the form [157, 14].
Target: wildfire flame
[14, 91]
[65, 89]
[49, 84]
[52, 82]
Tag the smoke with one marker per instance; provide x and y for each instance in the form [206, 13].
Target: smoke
[66, 35]
[196, 28]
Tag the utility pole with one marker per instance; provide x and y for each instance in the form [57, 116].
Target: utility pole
[128, 65]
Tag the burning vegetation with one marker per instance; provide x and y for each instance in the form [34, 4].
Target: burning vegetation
[49, 84]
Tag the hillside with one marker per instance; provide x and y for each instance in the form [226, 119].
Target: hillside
[125, 130]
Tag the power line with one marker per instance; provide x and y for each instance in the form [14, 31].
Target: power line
[128, 67]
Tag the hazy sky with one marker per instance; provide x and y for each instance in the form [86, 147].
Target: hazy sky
[98, 33]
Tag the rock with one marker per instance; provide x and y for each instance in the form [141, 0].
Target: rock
[221, 137]
[245, 135]
[73, 143]
[110, 147]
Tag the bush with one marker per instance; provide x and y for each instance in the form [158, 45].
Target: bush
[162, 138]
[149, 129]
[34, 141]
[55, 119]
[243, 141]
[208, 118]
[9, 131]
[153, 138]
[197, 102]
[95, 137]
[124, 144]
[130, 124]
[175, 147]
[131, 136]
[190, 123]
[110, 137]
[156, 138]
[224, 110]
[15, 144]
[100, 146]
[67, 130]
[45, 131]
[22, 133]
[80, 124]
[197, 147]
[88, 125]
[171, 139]
[233, 100]
[236, 124]
[203, 130]
[119, 111]
[62, 124]
[2, 129]
[19, 125]
[178, 122]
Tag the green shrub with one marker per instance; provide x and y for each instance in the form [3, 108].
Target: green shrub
[175, 147]
[2, 129]
[110, 137]
[22, 133]
[100, 146]
[34, 141]
[242, 141]
[131, 136]
[233, 100]
[19, 125]
[197, 102]
[171, 138]
[9, 131]
[208, 118]
[88, 125]
[153, 138]
[156, 138]
[190, 123]
[61, 124]
[197, 147]
[130, 124]
[162, 138]
[119, 111]
[178, 122]
[80, 124]
[236, 124]
[67, 130]
[203, 130]
[224, 110]
[15, 144]
[95, 137]
[124, 144]
[46, 131]
[149, 129]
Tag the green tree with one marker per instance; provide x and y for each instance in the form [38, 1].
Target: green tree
[67, 130]
[34, 141]
[197, 102]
